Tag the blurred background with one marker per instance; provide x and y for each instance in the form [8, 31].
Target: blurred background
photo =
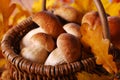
[12, 12]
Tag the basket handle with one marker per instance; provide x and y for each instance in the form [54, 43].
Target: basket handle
[103, 17]
[105, 26]
[43, 5]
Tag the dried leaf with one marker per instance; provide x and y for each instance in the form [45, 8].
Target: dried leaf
[83, 6]
[51, 4]
[6, 12]
[7, 15]
[18, 17]
[116, 1]
[4, 4]
[11, 9]
[2, 62]
[93, 37]
[37, 5]
[88, 76]
[113, 9]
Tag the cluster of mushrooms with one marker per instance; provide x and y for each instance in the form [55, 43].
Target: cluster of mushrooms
[57, 40]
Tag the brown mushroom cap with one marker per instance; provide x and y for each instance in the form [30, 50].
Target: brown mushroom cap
[114, 26]
[69, 14]
[26, 39]
[70, 47]
[92, 18]
[49, 23]
[43, 40]
[72, 28]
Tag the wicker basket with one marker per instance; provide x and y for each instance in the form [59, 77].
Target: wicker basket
[23, 69]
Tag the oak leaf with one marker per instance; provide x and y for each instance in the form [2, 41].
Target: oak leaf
[7, 18]
[93, 38]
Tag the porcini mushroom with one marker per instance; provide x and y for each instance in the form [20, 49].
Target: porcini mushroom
[38, 51]
[69, 14]
[72, 28]
[68, 50]
[49, 23]
[26, 39]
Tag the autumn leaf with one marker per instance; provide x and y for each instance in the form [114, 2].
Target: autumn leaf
[88, 76]
[116, 1]
[83, 6]
[2, 62]
[51, 4]
[20, 15]
[93, 38]
[7, 19]
[37, 5]
[113, 9]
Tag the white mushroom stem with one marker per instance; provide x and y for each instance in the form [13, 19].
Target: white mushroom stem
[35, 54]
[41, 44]
[55, 58]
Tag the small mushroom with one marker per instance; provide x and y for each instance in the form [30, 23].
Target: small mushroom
[72, 28]
[68, 50]
[69, 14]
[38, 51]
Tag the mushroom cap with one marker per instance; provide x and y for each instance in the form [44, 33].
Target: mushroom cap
[72, 28]
[44, 40]
[26, 39]
[49, 23]
[92, 18]
[70, 47]
[69, 14]
[114, 26]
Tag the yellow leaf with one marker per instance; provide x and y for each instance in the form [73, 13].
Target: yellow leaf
[11, 10]
[37, 5]
[113, 9]
[93, 37]
[18, 17]
[2, 62]
[83, 6]
[7, 15]
[4, 5]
